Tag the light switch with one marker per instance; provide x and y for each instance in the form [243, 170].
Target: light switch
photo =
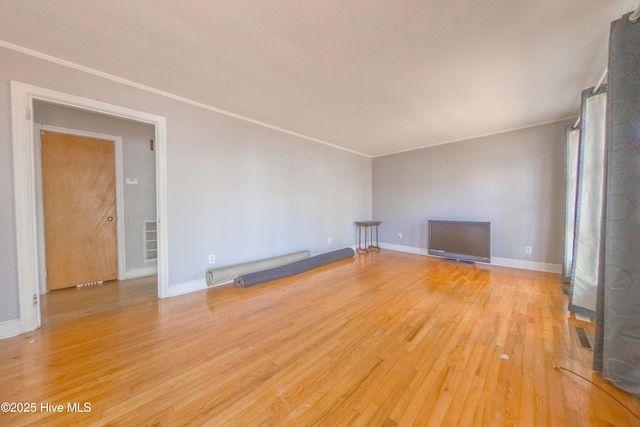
[132, 181]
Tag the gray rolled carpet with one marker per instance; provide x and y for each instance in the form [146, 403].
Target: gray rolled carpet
[297, 267]
[227, 274]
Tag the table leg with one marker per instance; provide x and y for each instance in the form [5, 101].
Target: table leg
[372, 246]
[362, 248]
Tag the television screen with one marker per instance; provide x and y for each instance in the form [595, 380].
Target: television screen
[460, 240]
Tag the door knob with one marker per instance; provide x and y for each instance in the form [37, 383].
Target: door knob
[110, 218]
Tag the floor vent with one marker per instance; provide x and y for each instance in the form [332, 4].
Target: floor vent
[565, 290]
[584, 340]
[82, 285]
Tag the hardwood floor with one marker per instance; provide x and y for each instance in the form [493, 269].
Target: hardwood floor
[70, 304]
[384, 339]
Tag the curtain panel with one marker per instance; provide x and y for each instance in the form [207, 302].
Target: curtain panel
[589, 203]
[617, 352]
[572, 148]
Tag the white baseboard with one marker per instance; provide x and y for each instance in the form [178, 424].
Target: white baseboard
[141, 272]
[502, 262]
[186, 287]
[226, 282]
[401, 248]
[10, 328]
[527, 265]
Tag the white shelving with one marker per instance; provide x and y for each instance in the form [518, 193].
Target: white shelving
[150, 235]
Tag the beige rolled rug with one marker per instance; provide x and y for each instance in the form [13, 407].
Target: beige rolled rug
[227, 274]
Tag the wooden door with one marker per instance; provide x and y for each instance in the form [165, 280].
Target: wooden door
[79, 201]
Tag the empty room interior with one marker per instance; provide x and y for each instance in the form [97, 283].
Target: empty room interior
[341, 213]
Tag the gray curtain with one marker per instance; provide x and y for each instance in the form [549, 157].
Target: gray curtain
[617, 352]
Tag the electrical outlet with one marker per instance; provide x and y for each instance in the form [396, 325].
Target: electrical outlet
[400, 235]
[212, 259]
[329, 241]
[527, 249]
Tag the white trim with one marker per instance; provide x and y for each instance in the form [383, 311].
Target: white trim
[187, 287]
[471, 137]
[135, 273]
[501, 262]
[22, 96]
[402, 248]
[9, 328]
[169, 95]
[527, 265]
[226, 282]
[24, 195]
[119, 170]
[37, 153]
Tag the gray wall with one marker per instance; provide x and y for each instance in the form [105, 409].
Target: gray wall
[515, 180]
[138, 162]
[235, 189]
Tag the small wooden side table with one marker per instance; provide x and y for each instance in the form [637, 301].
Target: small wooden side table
[368, 227]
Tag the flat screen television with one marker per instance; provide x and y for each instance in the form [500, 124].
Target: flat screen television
[460, 240]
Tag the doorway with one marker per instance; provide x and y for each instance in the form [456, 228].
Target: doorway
[23, 97]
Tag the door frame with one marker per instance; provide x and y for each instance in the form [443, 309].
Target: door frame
[119, 187]
[22, 126]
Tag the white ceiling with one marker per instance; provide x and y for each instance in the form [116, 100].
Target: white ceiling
[372, 76]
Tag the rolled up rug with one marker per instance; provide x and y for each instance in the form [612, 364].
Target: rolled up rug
[293, 268]
[227, 274]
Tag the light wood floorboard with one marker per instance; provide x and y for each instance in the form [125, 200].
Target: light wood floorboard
[385, 339]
